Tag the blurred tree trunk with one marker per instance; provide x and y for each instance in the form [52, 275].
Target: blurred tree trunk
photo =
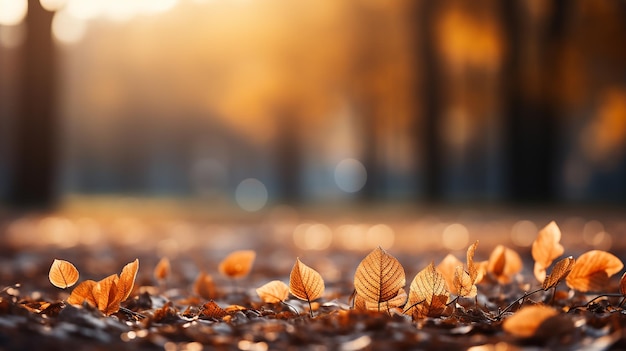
[427, 134]
[531, 109]
[288, 153]
[32, 183]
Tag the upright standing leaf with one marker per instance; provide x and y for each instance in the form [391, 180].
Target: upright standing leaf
[378, 277]
[447, 268]
[162, 269]
[463, 284]
[592, 271]
[204, 286]
[472, 269]
[273, 292]
[127, 280]
[305, 283]
[503, 264]
[63, 274]
[427, 294]
[559, 272]
[83, 292]
[105, 292]
[525, 322]
[546, 248]
[238, 264]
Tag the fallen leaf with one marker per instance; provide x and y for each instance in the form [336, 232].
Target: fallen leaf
[399, 300]
[62, 274]
[503, 264]
[559, 272]
[472, 269]
[273, 292]
[83, 292]
[204, 286]
[546, 248]
[447, 267]
[126, 280]
[237, 264]
[105, 292]
[592, 271]
[481, 271]
[463, 284]
[162, 269]
[212, 310]
[378, 277]
[622, 285]
[525, 322]
[305, 283]
[427, 294]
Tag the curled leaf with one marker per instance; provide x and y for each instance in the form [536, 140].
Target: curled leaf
[305, 283]
[378, 277]
[545, 249]
[427, 294]
[127, 280]
[204, 286]
[503, 264]
[472, 269]
[83, 292]
[525, 322]
[237, 264]
[273, 292]
[559, 272]
[213, 310]
[162, 269]
[592, 271]
[62, 274]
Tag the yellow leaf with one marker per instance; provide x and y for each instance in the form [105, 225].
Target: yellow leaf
[378, 277]
[427, 294]
[447, 267]
[83, 292]
[162, 269]
[204, 286]
[559, 272]
[305, 283]
[273, 292]
[525, 322]
[503, 264]
[63, 274]
[127, 280]
[592, 271]
[238, 264]
[546, 248]
[105, 292]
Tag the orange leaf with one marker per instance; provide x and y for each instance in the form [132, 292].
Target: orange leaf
[525, 322]
[273, 292]
[105, 292]
[305, 283]
[592, 271]
[447, 267]
[83, 292]
[463, 284]
[397, 301]
[545, 249]
[162, 269]
[63, 274]
[238, 264]
[472, 269]
[204, 286]
[213, 310]
[127, 280]
[503, 264]
[378, 277]
[559, 272]
[427, 294]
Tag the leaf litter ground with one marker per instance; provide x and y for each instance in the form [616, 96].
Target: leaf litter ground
[171, 308]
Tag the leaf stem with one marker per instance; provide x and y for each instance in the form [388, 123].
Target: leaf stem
[133, 313]
[526, 294]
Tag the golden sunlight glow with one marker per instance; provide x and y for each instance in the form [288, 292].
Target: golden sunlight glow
[12, 12]
[455, 237]
[68, 29]
[53, 5]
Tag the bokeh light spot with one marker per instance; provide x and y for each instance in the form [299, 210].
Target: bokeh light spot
[523, 233]
[12, 12]
[350, 175]
[67, 28]
[380, 235]
[455, 237]
[251, 195]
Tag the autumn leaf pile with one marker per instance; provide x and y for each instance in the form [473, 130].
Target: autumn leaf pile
[461, 296]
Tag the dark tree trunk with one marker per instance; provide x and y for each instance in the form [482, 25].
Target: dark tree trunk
[288, 157]
[32, 183]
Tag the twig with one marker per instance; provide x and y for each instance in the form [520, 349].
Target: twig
[526, 294]
[133, 313]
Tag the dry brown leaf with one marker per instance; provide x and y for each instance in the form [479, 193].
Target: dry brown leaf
[127, 280]
[83, 292]
[62, 274]
[162, 269]
[472, 269]
[427, 294]
[447, 267]
[359, 303]
[305, 283]
[622, 285]
[273, 292]
[481, 271]
[237, 264]
[525, 322]
[204, 286]
[397, 301]
[378, 277]
[212, 310]
[546, 248]
[503, 264]
[463, 284]
[105, 292]
[559, 272]
[592, 271]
